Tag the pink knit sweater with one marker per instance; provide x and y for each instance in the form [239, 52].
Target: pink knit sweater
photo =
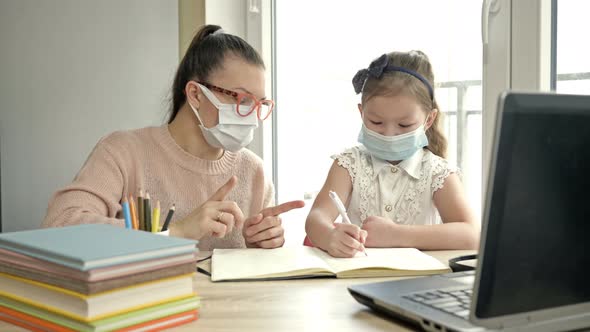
[149, 159]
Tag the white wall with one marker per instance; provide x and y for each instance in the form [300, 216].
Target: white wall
[229, 14]
[72, 71]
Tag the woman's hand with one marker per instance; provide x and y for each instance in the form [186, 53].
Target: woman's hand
[216, 217]
[265, 230]
[346, 240]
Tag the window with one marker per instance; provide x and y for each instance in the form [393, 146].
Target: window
[316, 114]
[572, 53]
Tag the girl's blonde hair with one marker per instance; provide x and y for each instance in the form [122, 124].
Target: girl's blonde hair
[392, 83]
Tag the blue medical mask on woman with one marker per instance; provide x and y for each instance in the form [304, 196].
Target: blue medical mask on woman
[399, 147]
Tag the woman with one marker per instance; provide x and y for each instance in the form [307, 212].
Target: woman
[196, 161]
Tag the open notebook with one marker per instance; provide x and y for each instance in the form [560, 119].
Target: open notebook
[306, 262]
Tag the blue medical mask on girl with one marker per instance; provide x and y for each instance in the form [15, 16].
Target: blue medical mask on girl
[393, 148]
[233, 132]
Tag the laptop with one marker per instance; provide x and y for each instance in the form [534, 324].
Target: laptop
[534, 258]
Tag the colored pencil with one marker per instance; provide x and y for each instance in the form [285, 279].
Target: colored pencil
[168, 218]
[140, 209]
[147, 212]
[134, 222]
[156, 218]
[126, 213]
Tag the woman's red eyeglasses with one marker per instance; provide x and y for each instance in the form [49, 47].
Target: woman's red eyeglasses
[246, 103]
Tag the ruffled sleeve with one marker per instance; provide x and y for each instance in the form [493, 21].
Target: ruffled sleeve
[441, 169]
[350, 160]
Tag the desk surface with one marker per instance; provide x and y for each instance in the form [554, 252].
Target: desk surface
[286, 305]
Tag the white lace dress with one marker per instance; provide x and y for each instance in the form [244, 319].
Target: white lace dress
[402, 192]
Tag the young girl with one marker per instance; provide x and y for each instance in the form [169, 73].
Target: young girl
[397, 186]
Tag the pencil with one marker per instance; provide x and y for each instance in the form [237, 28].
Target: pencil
[156, 218]
[168, 218]
[147, 212]
[141, 211]
[342, 210]
[133, 212]
[126, 213]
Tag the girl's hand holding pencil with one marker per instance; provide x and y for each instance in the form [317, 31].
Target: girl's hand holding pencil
[346, 240]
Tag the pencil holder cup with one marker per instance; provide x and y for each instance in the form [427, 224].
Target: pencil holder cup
[165, 233]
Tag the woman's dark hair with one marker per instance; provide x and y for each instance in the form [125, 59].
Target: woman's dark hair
[204, 55]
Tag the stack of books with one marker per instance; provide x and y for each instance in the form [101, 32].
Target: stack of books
[96, 278]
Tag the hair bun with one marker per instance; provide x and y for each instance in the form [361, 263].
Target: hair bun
[418, 53]
[206, 31]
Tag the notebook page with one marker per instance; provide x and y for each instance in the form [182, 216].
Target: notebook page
[233, 264]
[409, 259]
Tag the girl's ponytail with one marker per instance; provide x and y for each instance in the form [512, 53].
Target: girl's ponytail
[437, 143]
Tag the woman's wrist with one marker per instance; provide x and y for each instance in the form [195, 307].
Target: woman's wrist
[178, 229]
[175, 230]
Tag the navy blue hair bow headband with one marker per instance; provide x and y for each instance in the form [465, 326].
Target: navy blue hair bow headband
[380, 66]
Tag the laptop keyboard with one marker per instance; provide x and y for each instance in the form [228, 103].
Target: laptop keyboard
[455, 301]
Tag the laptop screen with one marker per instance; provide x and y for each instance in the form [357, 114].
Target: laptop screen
[537, 250]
